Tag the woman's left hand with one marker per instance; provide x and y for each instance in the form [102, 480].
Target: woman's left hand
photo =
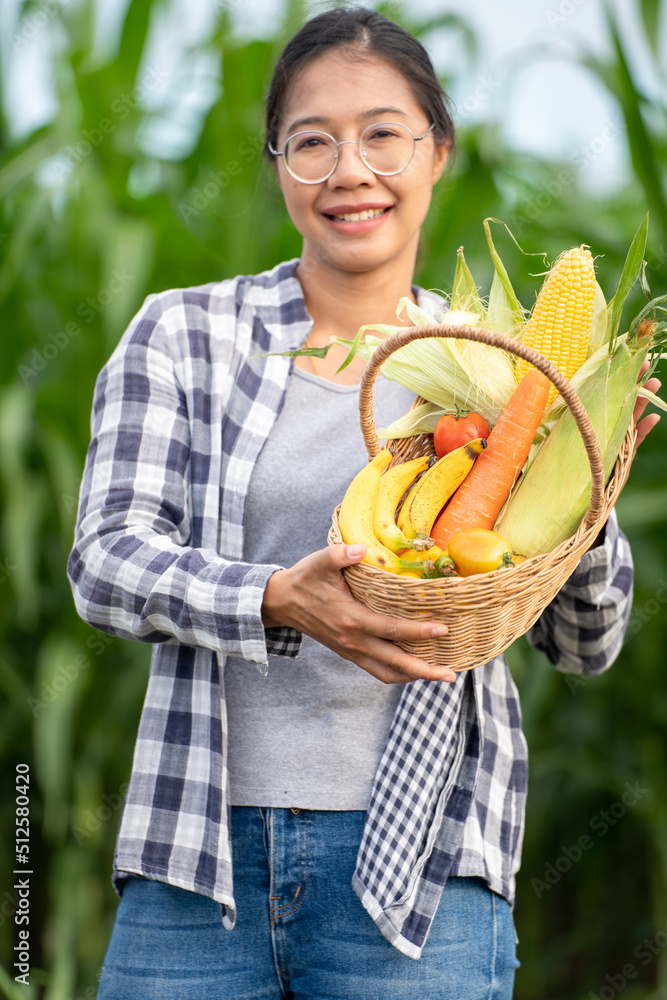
[647, 423]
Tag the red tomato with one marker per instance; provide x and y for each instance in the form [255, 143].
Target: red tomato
[455, 429]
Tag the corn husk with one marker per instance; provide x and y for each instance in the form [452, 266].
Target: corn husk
[445, 372]
[554, 492]
[599, 333]
[421, 419]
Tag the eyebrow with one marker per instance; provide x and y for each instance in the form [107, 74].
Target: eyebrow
[374, 114]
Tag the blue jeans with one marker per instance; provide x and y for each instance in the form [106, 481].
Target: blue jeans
[301, 932]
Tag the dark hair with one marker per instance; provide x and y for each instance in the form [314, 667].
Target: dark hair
[369, 33]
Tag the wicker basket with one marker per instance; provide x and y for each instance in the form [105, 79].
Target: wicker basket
[487, 612]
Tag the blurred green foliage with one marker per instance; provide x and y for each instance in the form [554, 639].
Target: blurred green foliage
[93, 220]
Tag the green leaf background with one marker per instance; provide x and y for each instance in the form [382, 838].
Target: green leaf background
[88, 228]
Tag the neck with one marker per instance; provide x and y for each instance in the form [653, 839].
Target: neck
[342, 301]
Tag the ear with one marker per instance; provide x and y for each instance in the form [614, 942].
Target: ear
[440, 157]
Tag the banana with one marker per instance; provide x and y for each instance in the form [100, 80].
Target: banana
[393, 484]
[430, 493]
[355, 518]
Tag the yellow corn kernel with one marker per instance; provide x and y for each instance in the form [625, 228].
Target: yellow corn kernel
[561, 321]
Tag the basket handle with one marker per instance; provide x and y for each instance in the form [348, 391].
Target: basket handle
[482, 336]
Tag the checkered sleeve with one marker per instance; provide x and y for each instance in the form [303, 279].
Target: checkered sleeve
[134, 569]
[582, 630]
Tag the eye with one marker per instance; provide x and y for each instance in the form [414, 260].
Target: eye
[308, 141]
[379, 134]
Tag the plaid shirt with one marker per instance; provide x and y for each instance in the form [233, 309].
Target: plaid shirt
[181, 412]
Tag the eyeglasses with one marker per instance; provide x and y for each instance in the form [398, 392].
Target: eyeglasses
[386, 148]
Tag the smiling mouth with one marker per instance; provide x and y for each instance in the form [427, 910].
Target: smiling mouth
[371, 213]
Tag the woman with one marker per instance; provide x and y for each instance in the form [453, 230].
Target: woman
[206, 498]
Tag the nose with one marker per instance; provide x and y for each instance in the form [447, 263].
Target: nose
[351, 171]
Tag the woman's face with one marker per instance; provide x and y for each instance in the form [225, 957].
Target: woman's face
[340, 94]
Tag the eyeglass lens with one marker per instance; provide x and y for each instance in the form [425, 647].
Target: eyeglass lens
[386, 148]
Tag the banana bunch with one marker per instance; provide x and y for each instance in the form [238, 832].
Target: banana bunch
[402, 545]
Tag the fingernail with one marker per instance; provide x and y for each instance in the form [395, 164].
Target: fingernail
[439, 630]
[355, 550]
[449, 676]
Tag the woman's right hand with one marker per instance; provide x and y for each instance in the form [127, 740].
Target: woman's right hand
[312, 596]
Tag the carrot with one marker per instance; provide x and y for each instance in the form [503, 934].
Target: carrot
[480, 497]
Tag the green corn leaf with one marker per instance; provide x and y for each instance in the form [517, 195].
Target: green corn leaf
[63, 675]
[629, 275]
[647, 160]
[135, 33]
[298, 352]
[645, 393]
[650, 10]
[655, 305]
[500, 270]
[500, 316]
[643, 281]
[465, 294]
[17, 991]
[354, 347]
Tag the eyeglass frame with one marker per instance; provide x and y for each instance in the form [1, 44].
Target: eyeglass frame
[357, 142]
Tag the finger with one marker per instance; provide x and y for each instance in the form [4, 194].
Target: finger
[393, 631]
[340, 556]
[395, 665]
[640, 406]
[376, 639]
[409, 629]
[390, 675]
[644, 426]
[653, 385]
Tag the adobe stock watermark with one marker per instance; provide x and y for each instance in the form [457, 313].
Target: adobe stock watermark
[88, 309]
[600, 824]
[644, 953]
[486, 86]
[216, 181]
[66, 673]
[582, 157]
[34, 22]
[74, 153]
[565, 9]
[92, 821]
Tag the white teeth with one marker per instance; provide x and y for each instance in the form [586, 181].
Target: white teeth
[371, 213]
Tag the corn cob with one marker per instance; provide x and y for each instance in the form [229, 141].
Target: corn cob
[560, 324]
